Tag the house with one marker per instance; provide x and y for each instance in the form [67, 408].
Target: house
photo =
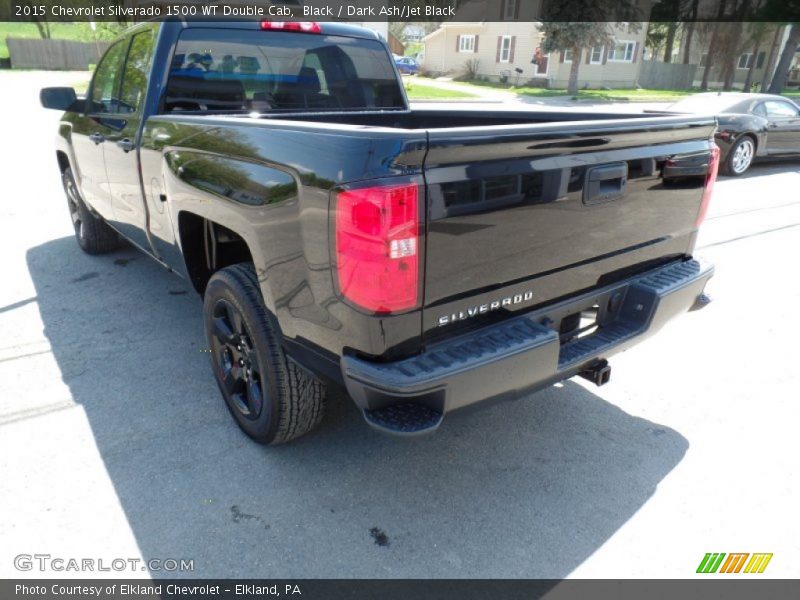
[413, 33]
[502, 47]
[499, 39]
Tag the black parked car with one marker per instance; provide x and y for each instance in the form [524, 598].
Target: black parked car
[750, 126]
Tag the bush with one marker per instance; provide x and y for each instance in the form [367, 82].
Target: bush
[470, 70]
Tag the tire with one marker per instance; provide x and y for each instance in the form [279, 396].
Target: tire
[740, 157]
[94, 236]
[271, 398]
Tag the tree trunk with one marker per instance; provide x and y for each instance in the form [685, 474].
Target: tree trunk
[669, 45]
[572, 86]
[687, 42]
[730, 53]
[773, 56]
[785, 62]
[709, 62]
[715, 40]
[728, 76]
[44, 29]
[748, 82]
[690, 32]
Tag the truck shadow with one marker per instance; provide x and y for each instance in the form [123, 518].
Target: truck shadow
[524, 489]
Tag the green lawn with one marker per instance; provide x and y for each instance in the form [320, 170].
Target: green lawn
[420, 91]
[58, 31]
[617, 95]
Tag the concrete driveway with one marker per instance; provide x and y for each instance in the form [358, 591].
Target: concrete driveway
[114, 442]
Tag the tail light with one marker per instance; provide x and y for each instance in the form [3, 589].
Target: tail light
[711, 177]
[301, 26]
[377, 247]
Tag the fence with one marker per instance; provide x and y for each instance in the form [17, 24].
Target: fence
[53, 55]
[666, 76]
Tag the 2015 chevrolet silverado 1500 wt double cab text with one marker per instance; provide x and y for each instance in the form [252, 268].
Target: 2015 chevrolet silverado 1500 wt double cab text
[422, 259]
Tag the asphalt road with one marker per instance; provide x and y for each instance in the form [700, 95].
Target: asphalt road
[114, 442]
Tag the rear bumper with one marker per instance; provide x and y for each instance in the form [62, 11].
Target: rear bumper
[520, 354]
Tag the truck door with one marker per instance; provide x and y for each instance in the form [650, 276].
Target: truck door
[122, 144]
[90, 132]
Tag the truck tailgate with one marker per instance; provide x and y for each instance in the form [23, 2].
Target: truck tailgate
[537, 212]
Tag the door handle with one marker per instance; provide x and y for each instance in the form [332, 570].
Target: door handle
[126, 145]
[605, 183]
[97, 138]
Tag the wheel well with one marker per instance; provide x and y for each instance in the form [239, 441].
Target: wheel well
[63, 161]
[753, 137]
[208, 247]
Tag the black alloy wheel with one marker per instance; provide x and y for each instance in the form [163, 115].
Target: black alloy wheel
[237, 359]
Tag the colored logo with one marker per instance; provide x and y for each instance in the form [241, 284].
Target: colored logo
[719, 562]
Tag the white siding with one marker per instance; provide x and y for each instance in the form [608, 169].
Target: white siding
[441, 56]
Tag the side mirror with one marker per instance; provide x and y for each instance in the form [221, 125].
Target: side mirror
[60, 98]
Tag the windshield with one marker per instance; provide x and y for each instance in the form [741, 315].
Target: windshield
[262, 71]
[702, 103]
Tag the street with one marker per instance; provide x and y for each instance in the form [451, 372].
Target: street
[115, 442]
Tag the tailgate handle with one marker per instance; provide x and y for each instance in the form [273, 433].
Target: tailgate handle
[605, 183]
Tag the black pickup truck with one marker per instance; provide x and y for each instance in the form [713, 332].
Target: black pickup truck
[422, 259]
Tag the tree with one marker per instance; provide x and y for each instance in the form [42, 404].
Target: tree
[759, 32]
[775, 47]
[716, 36]
[688, 32]
[669, 45]
[656, 36]
[108, 30]
[572, 36]
[396, 28]
[669, 14]
[785, 62]
[42, 25]
[561, 34]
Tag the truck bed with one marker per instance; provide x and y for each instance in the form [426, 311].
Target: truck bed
[506, 210]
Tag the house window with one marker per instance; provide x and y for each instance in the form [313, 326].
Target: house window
[597, 55]
[466, 43]
[505, 49]
[760, 60]
[621, 52]
[509, 10]
[745, 60]
[567, 56]
[703, 59]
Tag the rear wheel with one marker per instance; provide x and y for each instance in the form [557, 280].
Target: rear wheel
[740, 156]
[94, 236]
[272, 399]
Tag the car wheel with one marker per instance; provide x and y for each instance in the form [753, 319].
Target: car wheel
[94, 236]
[740, 156]
[272, 399]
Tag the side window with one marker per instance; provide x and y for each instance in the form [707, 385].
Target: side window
[134, 81]
[311, 61]
[776, 108]
[760, 110]
[105, 85]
